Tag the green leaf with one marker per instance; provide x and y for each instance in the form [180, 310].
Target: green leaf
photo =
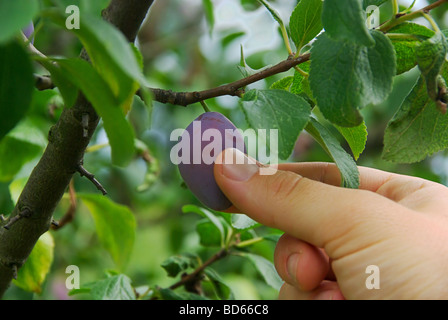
[118, 129]
[405, 47]
[356, 138]
[17, 83]
[231, 37]
[168, 294]
[301, 84]
[21, 145]
[243, 222]
[272, 237]
[345, 20]
[414, 29]
[266, 269]
[276, 110]
[274, 13]
[33, 273]
[345, 163]
[282, 84]
[110, 53]
[305, 22]
[72, 292]
[377, 3]
[417, 129]
[209, 15]
[14, 16]
[431, 56]
[179, 263]
[63, 82]
[107, 47]
[209, 234]
[210, 216]
[345, 77]
[115, 225]
[117, 287]
[222, 290]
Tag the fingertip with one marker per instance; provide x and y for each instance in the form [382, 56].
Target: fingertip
[328, 290]
[299, 263]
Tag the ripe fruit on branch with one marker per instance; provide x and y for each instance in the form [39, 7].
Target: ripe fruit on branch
[202, 141]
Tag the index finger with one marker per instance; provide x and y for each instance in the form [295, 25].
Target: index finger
[393, 186]
[328, 173]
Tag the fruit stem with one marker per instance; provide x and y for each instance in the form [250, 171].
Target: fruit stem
[204, 105]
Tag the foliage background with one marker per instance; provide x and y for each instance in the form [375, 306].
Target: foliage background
[180, 53]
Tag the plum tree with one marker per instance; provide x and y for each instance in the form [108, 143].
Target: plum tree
[202, 141]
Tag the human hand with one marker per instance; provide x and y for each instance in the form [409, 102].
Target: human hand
[395, 222]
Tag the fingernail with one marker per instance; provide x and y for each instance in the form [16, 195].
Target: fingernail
[237, 166]
[292, 265]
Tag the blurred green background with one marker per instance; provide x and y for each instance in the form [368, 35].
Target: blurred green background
[181, 53]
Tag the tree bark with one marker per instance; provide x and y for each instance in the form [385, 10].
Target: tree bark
[65, 151]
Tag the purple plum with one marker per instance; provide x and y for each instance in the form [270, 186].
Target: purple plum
[202, 141]
[28, 31]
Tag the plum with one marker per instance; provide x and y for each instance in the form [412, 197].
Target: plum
[202, 141]
[28, 31]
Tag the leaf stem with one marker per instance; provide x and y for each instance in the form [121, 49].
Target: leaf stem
[96, 147]
[286, 39]
[431, 21]
[403, 36]
[303, 73]
[204, 106]
[249, 242]
[410, 7]
[395, 7]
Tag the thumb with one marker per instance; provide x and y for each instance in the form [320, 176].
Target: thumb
[306, 209]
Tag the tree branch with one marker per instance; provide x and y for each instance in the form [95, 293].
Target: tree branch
[186, 279]
[84, 173]
[187, 98]
[65, 150]
[235, 88]
[231, 89]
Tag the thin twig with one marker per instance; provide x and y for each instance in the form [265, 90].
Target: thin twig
[25, 213]
[236, 88]
[231, 89]
[70, 213]
[192, 276]
[400, 18]
[84, 173]
[31, 48]
[14, 271]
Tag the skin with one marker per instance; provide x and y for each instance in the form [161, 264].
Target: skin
[397, 223]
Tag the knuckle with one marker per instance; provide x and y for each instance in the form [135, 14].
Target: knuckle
[286, 185]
